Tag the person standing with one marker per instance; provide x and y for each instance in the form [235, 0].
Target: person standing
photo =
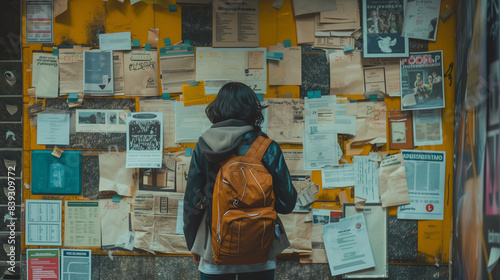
[236, 114]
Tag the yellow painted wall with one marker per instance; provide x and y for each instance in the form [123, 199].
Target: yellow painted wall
[84, 19]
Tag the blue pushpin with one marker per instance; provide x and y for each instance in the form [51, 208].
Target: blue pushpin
[167, 41]
[189, 151]
[136, 43]
[73, 97]
[165, 96]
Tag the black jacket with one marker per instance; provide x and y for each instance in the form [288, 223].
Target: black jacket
[205, 166]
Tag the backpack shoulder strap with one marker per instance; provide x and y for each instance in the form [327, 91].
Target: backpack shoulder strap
[259, 147]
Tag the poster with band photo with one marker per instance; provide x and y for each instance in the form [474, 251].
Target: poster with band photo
[382, 27]
[421, 81]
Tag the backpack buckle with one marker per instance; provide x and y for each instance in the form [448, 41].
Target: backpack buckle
[235, 202]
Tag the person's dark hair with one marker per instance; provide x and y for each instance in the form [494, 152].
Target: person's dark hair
[236, 101]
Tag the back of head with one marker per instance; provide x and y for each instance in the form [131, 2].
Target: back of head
[236, 101]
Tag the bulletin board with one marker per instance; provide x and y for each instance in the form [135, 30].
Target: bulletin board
[85, 19]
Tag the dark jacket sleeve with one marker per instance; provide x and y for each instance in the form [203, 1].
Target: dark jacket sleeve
[284, 191]
[194, 197]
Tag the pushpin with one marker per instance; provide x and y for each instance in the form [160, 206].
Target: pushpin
[189, 151]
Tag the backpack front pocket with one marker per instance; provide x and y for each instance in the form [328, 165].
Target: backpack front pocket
[247, 232]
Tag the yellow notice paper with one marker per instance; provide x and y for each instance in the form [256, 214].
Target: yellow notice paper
[195, 95]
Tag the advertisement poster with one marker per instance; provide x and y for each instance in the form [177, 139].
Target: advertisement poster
[98, 72]
[144, 140]
[382, 25]
[425, 175]
[76, 264]
[42, 264]
[422, 81]
[39, 22]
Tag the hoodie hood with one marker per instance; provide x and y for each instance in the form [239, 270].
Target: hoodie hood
[219, 141]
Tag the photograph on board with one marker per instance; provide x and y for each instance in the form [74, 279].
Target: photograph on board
[382, 25]
[422, 81]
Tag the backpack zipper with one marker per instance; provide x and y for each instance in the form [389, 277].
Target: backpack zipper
[263, 234]
[218, 225]
[262, 190]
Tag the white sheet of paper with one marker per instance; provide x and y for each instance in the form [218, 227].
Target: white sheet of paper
[425, 174]
[366, 179]
[43, 222]
[421, 18]
[347, 245]
[320, 150]
[344, 124]
[144, 140]
[338, 176]
[190, 122]
[45, 76]
[115, 41]
[326, 114]
[427, 127]
[76, 264]
[319, 113]
[53, 129]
